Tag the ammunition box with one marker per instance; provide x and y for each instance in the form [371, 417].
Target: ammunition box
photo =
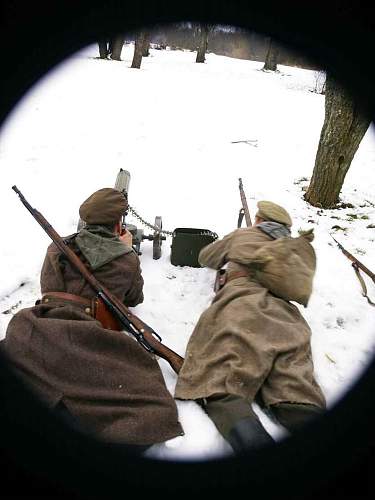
[187, 243]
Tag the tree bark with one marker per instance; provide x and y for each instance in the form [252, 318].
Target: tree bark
[344, 126]
[146, 45]
[116, 47]
[270, 63]
[138, 50]
[203, 43]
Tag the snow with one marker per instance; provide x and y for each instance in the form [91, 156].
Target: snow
[174, 125]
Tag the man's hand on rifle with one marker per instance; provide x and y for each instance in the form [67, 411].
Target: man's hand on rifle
[126, 237]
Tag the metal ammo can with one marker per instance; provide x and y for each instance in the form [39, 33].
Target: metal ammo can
[187, 243]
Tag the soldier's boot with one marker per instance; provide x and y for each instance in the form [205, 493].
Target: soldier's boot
[237, 422]
[248, 434]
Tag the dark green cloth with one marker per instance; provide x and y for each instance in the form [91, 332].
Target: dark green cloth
[226, 410]
[99, 245]
[293, 415]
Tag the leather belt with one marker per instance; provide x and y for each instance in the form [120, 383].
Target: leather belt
[222, 277]
[89, 304]
[94, 307]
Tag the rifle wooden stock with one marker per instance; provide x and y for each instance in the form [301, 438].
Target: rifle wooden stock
[143, 333]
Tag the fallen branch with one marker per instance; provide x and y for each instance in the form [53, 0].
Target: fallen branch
[250, 142]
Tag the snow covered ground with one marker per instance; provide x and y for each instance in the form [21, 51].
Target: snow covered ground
[174, 125]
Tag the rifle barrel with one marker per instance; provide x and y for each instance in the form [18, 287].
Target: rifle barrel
[355, 260]
[244, 204]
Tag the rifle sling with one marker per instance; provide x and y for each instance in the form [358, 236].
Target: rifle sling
[240, 217]
[362, 282]
[222, 277]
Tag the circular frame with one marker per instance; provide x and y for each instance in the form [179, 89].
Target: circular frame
[40, 454]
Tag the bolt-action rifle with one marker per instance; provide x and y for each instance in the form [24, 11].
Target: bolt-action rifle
[357, 266]
[143, 333]
[244, 212]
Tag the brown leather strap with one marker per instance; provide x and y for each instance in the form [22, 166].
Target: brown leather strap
[95, 308]
[46, 297]
[363, 284]
[106, 318]
[222, 277]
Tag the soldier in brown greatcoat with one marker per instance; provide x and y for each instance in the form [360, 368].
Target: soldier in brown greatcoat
[101, 379]
[251, 345]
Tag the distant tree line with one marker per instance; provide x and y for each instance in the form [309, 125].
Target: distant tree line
[221, 40]
[345, 124]
[111, 47]
[227, 41]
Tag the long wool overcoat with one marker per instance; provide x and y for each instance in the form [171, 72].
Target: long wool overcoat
[248, 342]
[105, 378]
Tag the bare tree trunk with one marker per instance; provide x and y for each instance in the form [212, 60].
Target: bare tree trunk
[203, 42]
[344, 126]
[270, 63]
[138, 50]
[116, 47]
[103, 49]
[146, 45]
[320, 82]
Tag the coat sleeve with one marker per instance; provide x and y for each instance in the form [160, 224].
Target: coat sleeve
[215, 254]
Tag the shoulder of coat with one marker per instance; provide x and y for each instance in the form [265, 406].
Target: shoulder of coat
[308, 234]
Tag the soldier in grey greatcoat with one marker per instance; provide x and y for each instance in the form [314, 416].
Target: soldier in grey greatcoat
[250, 344]
[99, 378]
